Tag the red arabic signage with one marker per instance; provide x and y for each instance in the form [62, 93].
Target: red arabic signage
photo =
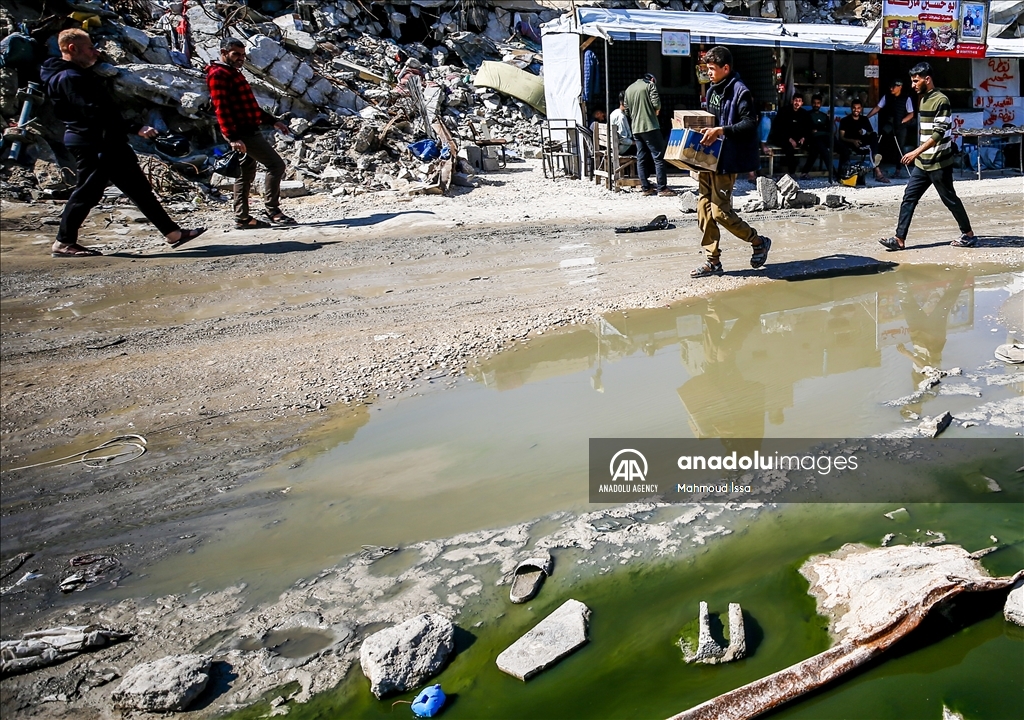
[934, 28]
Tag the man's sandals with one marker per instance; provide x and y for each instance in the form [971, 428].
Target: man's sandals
[187, 235]
[73, 250]
[276, 217]
[250, 223]
[891, 244]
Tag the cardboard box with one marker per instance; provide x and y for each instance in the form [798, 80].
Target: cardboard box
[692, 119]
[685, 151]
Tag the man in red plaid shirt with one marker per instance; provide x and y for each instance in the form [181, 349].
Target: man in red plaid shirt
[240, 118]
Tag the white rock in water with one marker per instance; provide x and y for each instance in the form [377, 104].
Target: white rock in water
[1013, 610]
[863, 589]
[554, 637]
[166, 685]
[402, 657]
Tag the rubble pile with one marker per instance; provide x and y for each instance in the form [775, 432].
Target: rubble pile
[355, 101]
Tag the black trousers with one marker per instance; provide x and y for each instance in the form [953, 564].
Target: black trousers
[920, 180]
[651, 145]
[846, 149]
[817, 148]
[98, 166]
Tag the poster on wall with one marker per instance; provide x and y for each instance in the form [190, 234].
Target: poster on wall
[934, 28]
[675, 43]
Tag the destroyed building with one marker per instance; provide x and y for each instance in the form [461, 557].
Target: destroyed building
[359, 82]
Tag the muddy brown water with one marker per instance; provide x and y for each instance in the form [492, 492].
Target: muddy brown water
[817, 358]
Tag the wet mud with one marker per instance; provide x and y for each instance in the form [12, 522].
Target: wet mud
[242, 364]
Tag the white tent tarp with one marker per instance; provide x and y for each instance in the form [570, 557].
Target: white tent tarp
[562, 75]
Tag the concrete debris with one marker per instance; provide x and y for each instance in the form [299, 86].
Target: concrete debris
[688, 201]
[328, 69]
[788, 188]
[708, 649]
[934, 426]
[554, 637]
[48, 647]
[873, 597]
[1013, 610]
[402, 657]
[169, 684]
[769, 191]
[834, 201]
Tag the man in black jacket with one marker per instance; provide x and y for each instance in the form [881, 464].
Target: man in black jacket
[791, 131]
[736, 123]
[95, 133]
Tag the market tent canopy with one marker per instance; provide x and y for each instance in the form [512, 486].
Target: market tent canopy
[853, 37]
[707, 28]
[562, 75]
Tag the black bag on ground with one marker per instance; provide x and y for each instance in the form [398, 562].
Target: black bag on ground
[172, 144]
[229, 164]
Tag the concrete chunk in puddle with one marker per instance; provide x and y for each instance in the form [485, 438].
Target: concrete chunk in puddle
[554, 637]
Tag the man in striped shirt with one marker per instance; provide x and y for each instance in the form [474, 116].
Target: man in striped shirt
[933, 162]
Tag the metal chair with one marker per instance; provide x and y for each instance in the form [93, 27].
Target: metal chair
[560, 146]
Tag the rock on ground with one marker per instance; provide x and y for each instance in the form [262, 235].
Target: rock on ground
[165, 685]
[862, 589]
[1013, 610]
[554, 637]
[402, 657]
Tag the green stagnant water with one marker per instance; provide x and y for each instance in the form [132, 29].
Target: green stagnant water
[819, 358]
[632, 667]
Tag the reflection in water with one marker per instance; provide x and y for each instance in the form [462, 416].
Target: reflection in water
[814, 359]
[746, 355]
[929, 308]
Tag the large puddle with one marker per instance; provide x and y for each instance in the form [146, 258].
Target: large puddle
[840, 357]
[818, 358]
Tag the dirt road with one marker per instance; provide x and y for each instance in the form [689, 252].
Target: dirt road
[229, 352]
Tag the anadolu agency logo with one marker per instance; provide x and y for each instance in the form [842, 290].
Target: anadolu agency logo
[628, 471]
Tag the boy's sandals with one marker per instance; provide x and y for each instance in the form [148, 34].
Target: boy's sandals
[891, 244]
[278, 218]
[965, 241]
[250, 223]
[73, 250]
[708, 269]
[186, 236]
[760, 255]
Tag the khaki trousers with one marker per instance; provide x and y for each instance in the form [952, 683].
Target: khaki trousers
[714, 208]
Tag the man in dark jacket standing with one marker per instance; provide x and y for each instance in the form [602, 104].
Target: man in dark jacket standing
[95, 134]
[240, 118]
[792, 131]
[736, 122]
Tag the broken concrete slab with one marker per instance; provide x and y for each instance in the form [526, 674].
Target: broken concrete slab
[769, 191]
[47, 647]
[402, 657]
[688, 201]
[802, 200]
[293, 188]
[873, 597]
[788, 188]
[708, 650]
[556, 636]
[169, 684]
[1013, 610]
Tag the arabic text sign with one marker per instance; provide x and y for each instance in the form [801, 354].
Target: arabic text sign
[934, 28]
[996, 76]
[675, 43]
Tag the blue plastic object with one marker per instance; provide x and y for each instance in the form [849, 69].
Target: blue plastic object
[429, 702]
[425, 149]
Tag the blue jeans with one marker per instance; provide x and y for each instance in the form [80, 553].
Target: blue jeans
[651, 144]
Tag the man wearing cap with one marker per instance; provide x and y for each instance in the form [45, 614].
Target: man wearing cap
[933, 162]
[643, 103]
[894, 113]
